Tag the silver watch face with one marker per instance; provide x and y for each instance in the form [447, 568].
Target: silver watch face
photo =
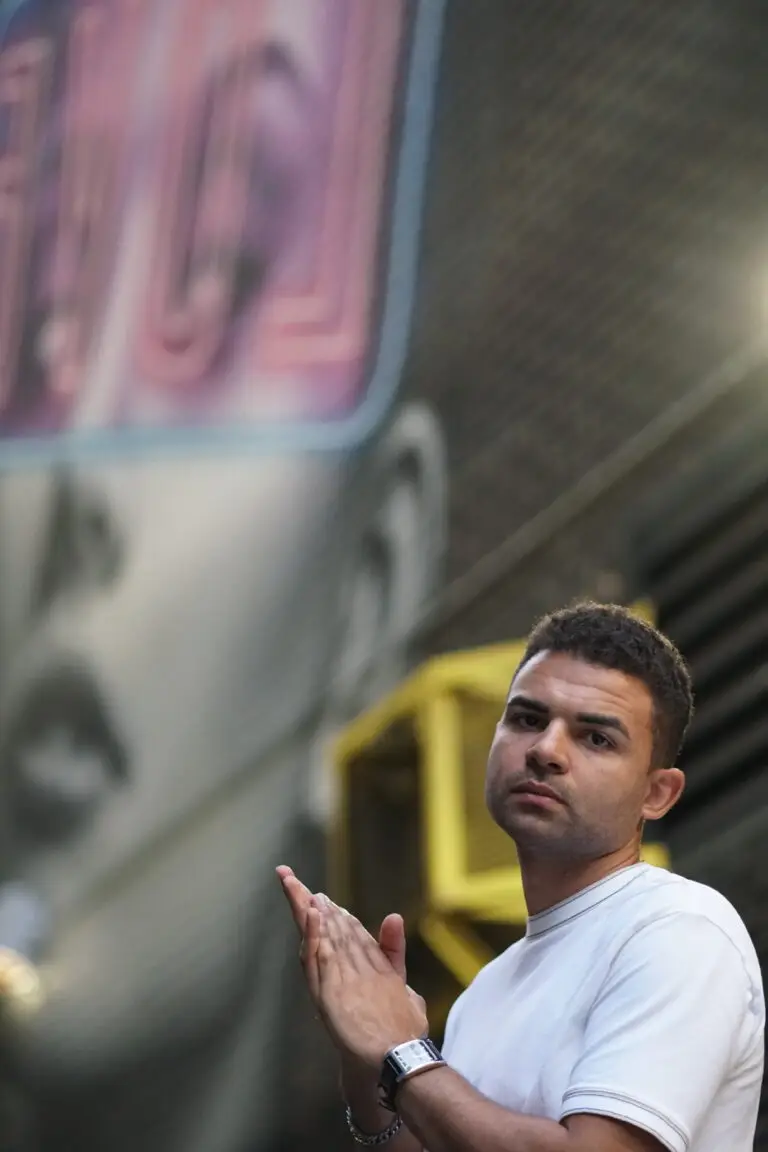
[413, 1055]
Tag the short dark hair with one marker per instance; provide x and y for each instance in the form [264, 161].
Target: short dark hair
[611, 636]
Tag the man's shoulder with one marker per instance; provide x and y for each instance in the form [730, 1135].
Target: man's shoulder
[659, 897]
[490, 979]
[498, 969]
[664, 906]
[663, 891]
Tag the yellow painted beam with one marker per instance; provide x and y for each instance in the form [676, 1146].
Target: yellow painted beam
[445, 843]
[456, 946]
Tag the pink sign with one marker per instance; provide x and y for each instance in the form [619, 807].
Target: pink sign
[199, 210]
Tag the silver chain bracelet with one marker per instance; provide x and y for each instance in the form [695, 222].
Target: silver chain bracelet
[368, 1141]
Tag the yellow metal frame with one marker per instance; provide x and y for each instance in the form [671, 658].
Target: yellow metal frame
[428, 698]
[456, 900]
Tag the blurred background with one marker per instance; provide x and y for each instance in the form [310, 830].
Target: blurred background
[338, 340]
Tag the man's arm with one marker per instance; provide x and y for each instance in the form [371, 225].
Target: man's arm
[448, 1115]
[359, 1088]
[659, 1043]
[368, 1009]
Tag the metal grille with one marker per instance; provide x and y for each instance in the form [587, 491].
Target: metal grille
[703, 556]
[596, 236]
[704, 561]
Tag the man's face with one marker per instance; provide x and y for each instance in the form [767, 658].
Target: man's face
[585, 734]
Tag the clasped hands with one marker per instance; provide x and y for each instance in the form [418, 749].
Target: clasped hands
[356, 982]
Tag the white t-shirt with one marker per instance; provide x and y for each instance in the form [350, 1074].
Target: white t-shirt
[639, 998]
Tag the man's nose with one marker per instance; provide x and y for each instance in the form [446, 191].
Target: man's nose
[550, 749]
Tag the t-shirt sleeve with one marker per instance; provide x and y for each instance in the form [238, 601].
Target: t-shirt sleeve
[674, 1016]
[451, 1026]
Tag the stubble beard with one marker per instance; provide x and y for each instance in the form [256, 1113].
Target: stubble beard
[538, 836]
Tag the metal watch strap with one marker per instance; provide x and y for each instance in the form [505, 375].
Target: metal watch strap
[369, 1140]
[404, 1061]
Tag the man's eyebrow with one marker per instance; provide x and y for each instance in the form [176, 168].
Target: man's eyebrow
[519, 701]
[600, 721]
[597, 719]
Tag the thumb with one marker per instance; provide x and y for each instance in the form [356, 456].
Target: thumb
[392, 941]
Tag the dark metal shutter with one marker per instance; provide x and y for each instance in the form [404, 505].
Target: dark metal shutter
[702, 556]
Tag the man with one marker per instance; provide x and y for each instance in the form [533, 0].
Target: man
[601, 1030]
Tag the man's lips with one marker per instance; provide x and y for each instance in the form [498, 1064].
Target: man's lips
[534, 789]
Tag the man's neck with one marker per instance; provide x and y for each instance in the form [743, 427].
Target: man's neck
[548, 881]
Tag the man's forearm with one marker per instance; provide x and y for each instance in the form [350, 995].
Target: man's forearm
[448, 1115]
[359, 1089]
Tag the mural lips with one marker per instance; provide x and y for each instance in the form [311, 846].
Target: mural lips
[61, 755]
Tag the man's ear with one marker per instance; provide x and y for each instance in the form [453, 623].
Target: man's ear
[393, 567]
[665, 788]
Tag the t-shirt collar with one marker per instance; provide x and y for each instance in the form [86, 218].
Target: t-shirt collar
[583, 901]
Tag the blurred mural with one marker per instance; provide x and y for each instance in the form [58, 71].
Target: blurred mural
[219, 510]
[300, 380]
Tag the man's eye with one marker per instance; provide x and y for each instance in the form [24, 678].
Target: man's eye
[526, 721]
[598, 740]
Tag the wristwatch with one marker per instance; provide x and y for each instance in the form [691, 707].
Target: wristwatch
[404, 1061]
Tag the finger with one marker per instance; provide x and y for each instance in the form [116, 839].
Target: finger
[392, 942]
[359, 944]
[290, 881]
[299, 898]
[327, 961]
[344, 935]
[417, 999]
[310, 950]
[340, 928]
[334, 920]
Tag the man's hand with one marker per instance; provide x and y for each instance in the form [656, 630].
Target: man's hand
[298, 895]
[391, 933]
[361, 998]
[347, 942]
[359, 1080]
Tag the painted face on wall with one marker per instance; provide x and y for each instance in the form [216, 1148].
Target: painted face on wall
[208, 230]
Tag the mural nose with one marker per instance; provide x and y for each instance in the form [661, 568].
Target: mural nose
[84, 546]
